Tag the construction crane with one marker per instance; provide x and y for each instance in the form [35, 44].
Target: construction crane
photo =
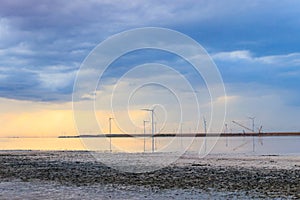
[245, 127]
[249, 129]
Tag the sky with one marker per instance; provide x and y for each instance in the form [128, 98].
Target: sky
[254, 44]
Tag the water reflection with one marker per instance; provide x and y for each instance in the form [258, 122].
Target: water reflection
[263, 145]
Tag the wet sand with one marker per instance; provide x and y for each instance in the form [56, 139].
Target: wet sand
[215, 176]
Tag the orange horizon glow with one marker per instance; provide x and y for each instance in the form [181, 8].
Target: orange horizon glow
[35, 119]
[21, 118]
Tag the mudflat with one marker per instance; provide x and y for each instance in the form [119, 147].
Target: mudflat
[243, 176]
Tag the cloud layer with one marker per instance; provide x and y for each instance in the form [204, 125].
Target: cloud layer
[256, 45]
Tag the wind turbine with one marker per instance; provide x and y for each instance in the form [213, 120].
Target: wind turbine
[205, 132]
[109, 120]
[226, 132]
[181, 145]
[145, 134]
[152, 124]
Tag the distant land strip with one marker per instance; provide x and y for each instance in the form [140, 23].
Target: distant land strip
[123, 135]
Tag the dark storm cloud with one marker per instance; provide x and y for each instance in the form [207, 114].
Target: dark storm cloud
[29, 85]
[41, 41]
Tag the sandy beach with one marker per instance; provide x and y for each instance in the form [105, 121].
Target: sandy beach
[76, 175]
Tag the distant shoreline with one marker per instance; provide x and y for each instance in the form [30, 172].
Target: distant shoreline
[123, 135]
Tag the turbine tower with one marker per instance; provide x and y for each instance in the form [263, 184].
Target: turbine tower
[145, 134]
[152, 124]
[205, 132]
[109, 120]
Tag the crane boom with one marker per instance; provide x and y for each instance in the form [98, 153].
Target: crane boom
[241, 125]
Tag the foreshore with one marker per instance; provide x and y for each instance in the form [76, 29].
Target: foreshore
[252, 176]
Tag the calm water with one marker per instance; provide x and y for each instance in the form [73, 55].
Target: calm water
[263, 145]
